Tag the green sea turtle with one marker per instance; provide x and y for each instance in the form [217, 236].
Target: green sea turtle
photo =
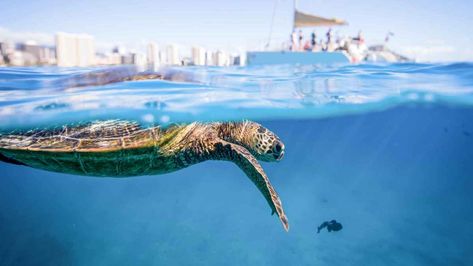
[117, 148]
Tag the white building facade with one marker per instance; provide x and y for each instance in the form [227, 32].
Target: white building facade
[198, 56]
[75, 50]
[172, 55]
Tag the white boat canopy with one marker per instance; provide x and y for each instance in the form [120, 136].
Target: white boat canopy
[307, 20]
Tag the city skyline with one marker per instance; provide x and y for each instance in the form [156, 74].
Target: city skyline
[430, 31]
[79, 50]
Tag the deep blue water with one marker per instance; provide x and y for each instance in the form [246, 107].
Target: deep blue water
[387, 150]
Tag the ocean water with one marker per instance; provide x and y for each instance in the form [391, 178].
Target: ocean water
[386, 150]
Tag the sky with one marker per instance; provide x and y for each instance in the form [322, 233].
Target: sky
[424, 29]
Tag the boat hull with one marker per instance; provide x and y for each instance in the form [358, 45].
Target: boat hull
[303, 58]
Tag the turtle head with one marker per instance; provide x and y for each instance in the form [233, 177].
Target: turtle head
[260, 141]
[268, 147]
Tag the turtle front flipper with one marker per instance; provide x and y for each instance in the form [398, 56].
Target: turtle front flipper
[248, 163]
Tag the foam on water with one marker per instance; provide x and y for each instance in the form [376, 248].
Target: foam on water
[31, 97]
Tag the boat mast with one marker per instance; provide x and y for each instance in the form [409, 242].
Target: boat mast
[272, 23]
[294, 15]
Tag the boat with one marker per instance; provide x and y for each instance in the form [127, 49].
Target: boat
[303, 57]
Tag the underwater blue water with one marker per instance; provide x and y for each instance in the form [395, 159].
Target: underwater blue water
[386, 150]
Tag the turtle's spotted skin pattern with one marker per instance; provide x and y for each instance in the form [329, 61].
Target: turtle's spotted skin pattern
[122, 149]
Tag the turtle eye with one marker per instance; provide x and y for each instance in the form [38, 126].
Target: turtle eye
[277, 147]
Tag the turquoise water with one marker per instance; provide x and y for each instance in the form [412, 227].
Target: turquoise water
[386, 150]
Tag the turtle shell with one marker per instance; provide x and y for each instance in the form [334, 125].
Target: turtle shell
[103, 148]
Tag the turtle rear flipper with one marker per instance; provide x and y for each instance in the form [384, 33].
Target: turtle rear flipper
[248, 163]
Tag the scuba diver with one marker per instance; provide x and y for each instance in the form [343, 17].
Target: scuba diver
[331, 226]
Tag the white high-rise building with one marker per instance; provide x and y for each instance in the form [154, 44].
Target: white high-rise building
[209, 58]
[66, 49]
[75, 50]
[220, 59]
[242, 60]
[85, 50]
[172, 55]
[198, 56]
[152, 54]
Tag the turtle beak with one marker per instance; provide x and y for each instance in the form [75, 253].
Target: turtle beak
[281, 156]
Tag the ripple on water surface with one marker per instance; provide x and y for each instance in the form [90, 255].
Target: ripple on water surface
[31, 97]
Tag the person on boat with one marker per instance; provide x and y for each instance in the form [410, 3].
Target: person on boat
[313, 39]
[329, 44]
[344, 45]
[329, 35]
[321, 45]
[331, 226]
[301, 38]
[360, 39]
[315, 46]
[294, 46]
[307, 46]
